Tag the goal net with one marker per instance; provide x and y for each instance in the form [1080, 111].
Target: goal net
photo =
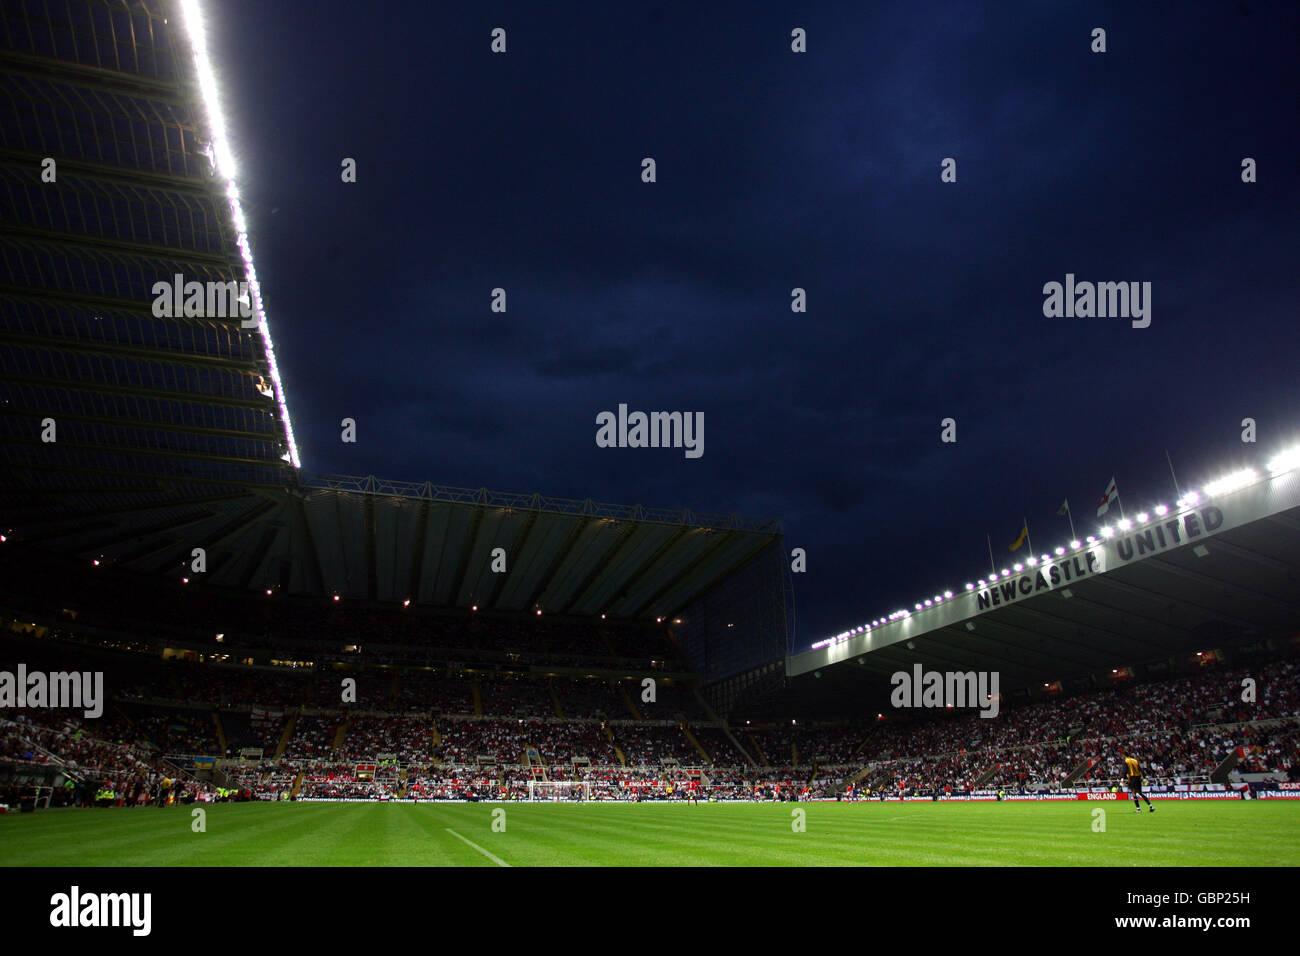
[573, 790]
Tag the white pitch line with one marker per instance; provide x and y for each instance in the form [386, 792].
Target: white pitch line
[491, 856]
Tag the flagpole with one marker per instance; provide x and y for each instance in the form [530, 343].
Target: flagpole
[992, 564]
[1025, 522]
[1172, 475]
[1070, 514]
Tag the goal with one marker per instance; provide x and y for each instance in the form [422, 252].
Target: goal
[559, 790]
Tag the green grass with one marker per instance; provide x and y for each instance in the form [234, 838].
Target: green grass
[1264, 833]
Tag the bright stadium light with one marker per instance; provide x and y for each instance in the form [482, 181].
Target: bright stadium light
[1076, 545]
[1107, 531]
[1092, 539]
[1125, 524]
[224, 160]
[1190, 498]
[1288, 460]
[1161, 510]
[971, 587]
[1228, 483]
[1031, 561]
[947, 594]
[1143, 517]
[1018, 566]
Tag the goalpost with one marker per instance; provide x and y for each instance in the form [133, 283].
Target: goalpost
[570, 790]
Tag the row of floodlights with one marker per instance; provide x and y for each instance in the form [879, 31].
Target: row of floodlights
[223, 160]
[1288, 460]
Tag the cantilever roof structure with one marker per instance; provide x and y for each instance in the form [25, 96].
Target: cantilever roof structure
[1217, 571]
[109, 185]
[172, 432]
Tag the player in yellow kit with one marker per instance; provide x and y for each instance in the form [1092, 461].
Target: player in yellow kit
[1134, 773]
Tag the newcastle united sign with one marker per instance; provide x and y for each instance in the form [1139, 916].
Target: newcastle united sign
[1136, 543]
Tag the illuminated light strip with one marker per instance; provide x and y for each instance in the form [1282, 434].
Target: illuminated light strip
[224, 160]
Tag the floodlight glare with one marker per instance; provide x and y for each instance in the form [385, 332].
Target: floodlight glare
[1228, 483]
[224, 161]
[1288, 460]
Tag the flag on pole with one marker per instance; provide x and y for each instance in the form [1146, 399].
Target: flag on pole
[1112, 492]
[1024, 533]
[1065, 510]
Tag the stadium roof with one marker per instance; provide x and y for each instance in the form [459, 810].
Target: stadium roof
[1217, 570]
[110, 183]
[172, 432]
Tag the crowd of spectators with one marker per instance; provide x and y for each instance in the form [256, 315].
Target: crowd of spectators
[313, 737]
[1182, 728]
[650, 745]
[408, 739]
[591, 698]
[516, 698]
[95, 771]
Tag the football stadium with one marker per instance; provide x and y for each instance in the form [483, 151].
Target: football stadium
[213, 656]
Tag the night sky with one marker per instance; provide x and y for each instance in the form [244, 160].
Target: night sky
[779, 170]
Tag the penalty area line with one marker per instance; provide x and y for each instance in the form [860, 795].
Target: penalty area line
[491, 856]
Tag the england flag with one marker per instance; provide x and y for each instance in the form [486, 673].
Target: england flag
[1111, 494]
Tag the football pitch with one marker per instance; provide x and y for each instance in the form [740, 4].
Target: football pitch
[1179, 833]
